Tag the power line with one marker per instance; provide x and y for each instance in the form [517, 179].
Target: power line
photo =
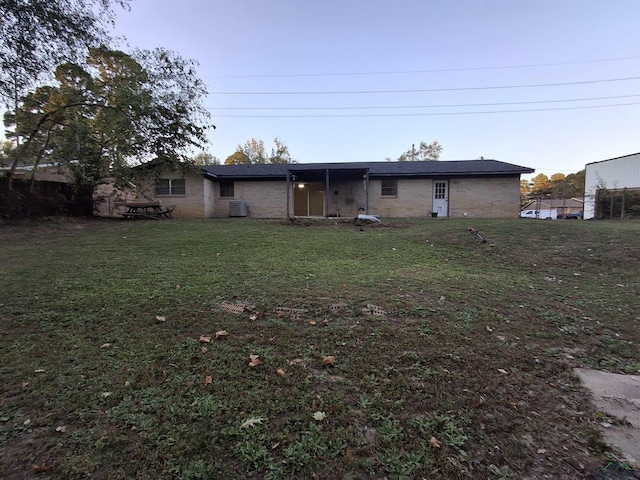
[457, 89]
[428, 114]
[433, 70]
[427, 106]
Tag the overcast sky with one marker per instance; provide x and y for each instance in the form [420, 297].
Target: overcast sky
[363, 80]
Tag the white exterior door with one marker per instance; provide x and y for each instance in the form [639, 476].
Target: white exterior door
[440, 198]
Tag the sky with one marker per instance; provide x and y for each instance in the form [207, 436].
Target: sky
[546, 84]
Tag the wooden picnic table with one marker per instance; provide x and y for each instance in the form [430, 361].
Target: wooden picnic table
[152, 210]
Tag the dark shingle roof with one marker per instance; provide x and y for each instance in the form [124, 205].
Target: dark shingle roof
[376, 169]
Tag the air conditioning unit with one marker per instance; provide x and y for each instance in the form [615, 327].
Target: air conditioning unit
[237, 208]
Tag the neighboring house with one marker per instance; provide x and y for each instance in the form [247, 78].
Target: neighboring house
[473, 188]
[564, 206]
[606, 181]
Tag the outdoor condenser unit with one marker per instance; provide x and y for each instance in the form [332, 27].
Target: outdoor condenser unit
[237, 208]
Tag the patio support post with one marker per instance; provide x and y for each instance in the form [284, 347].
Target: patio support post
[326, 193]
[288, 192]
[366, 191]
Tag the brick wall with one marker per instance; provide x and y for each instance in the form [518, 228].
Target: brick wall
[477, 197]
[484, 197]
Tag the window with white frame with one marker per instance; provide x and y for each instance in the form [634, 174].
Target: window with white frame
[170, 186]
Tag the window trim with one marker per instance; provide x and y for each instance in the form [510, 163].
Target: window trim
[231, 189]
[389, 191]
[170, 188]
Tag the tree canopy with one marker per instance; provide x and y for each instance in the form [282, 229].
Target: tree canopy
[556, 186]
[37, 35]
[425, 152]
[254, 152]
[119, 108]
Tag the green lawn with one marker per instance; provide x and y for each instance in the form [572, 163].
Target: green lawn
[452, 358]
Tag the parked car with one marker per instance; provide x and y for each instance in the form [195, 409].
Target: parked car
[574, 215]
[550, 214]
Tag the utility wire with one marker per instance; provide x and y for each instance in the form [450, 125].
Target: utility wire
[426, 106]
[433, 70]
[427, 114]
[457, 89]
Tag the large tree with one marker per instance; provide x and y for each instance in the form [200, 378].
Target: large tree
[254, 152]
[99, 119]
[425, 152]
[37, 35]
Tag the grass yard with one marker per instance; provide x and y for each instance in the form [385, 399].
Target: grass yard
[406, 350]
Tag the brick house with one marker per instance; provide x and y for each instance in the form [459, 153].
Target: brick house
[473, 188]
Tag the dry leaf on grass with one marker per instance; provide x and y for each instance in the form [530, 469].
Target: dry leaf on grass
[221, 333]
[280, 372]
[330, 360]
[252, 422]
[204, 339]
[319, 416]
[503, 371]
[105, 345]
[435, 443]
[207, 379]
[255, 360]
[160, 319]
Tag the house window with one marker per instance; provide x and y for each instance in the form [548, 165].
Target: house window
[440, 192]
[170, 186]
[389, 188]
[226, 189]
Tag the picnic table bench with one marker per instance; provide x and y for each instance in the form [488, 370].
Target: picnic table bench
[150, 210]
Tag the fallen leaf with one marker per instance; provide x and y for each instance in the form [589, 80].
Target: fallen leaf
[280, 372]
[105, 345]
[207, 379]
[349, 455]
[160, 319]
[221, 333]
[542, 450]
[105, 394]
[255, 360]
[25, 384]
[253, 316]
[330, 360]
[204, 339]
[489, 329]
[435, 443]
[61, 429]
[41, 468]
[203, 349]
[502, 370]
[40, 370]
[312, 322]
[127, 383]
[319, 416]
[252, 422]
[325, 322]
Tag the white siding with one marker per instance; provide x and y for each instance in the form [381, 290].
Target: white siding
[613, 174]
